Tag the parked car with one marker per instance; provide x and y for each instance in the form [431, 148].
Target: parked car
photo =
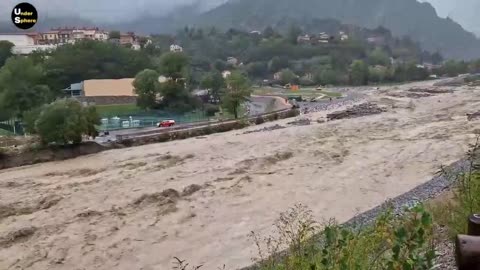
[166, 123]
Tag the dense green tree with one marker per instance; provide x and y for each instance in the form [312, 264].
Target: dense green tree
[147, 87]
[454, 68]
[215, 83]
[359, 73]
[277, 63]
[174, 65]
[93, 60]
[220, 65]
[378, 57]
[174, 93]
[22, 86]
[326, 75]
[268, 32]
[65, 121]
[377, 74]
[437, 58]
[257, 69]
[474, 66]
[293, 33]
[5, 51]
[287, 76]
[238, 91]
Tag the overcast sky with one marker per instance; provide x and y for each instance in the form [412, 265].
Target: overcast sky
[463, 11]
[105, 10]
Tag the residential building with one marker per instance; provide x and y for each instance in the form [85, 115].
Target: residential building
[226, 74]
[101, 35]
[89, 33]
[303, 38]
[162, 79]
[255, 32]
[65, 35]
[323, 38]
[232, 61]
[50, 37]
[103, 92]
[376, 40]
[175, 48]
[74, 90]
[128, 38]
[343, 36]
[108, 87]
[78, 35]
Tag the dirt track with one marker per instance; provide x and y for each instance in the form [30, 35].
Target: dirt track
[198, 198]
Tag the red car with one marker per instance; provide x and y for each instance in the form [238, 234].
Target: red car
[166, 123]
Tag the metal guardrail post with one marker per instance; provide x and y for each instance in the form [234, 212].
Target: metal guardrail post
[467, 247]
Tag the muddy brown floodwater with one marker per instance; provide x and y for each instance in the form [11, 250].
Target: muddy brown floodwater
[199, 198]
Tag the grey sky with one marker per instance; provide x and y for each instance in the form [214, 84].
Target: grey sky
[104, 10]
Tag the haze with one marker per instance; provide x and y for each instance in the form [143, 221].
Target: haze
[462, 11]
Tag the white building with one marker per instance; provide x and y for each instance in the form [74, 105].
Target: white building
[136, 46]
[343, 36]
[24, 43]
[232, 61]
[18, 39]
[78, 34]
[175, 48]
[226, 74]
[28, 49]
[101, 35]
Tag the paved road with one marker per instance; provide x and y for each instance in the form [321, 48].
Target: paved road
[349, 97]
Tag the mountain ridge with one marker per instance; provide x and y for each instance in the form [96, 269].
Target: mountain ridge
[418, 20]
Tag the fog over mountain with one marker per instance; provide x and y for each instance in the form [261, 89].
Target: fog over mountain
[462, 11]
[403, 17]
[101, 11]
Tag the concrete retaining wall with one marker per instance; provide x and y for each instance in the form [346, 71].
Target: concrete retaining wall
[34, 156]
[170, 135]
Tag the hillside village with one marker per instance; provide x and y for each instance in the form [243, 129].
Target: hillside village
[26, 43]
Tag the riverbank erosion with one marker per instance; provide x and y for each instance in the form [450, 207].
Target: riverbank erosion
[199, 198]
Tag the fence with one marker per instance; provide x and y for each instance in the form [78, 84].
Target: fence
[148, 119]
[467, 247]
[12, 126]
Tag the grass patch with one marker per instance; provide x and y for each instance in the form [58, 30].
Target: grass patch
[117, 109]
[4, 132]
[453, 210]
[304, 92]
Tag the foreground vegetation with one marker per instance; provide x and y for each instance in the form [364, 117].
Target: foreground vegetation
[393, 242]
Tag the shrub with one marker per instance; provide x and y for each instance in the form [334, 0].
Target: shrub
[465, 198]
[66, 121]
[391, 243]
[259, 120]
[211, 109]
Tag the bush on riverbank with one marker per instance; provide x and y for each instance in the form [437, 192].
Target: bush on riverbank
[404, 242]
[464, 199]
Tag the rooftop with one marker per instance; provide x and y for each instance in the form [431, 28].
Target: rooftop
[108, 87]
